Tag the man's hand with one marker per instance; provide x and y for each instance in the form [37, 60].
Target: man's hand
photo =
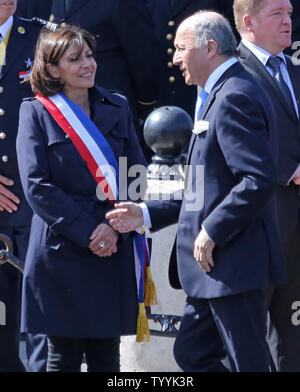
[8, 200]
[103, 240]
[203, 247]
[126, 217]
[296, 176]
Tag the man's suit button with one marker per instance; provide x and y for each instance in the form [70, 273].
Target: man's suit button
[4, 158]
[170, 51]
[169, 37]
[171, 23]
[170, 64]
[2, 112]
[171, 79]
[1, 89]
[2, 135]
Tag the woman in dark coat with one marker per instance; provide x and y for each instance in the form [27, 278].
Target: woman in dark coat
[79, 283]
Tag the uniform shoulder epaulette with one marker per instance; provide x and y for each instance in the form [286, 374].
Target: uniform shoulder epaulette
[29, 99]
[44, 23]
[119, 93]
[110, 95]
[25, 19]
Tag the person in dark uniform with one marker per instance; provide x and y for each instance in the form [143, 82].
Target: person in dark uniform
[18, 38]
[167, 15]
[79, 284]
[31, 8]
[126, 51]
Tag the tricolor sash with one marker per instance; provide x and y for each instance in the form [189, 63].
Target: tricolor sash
[102, 163]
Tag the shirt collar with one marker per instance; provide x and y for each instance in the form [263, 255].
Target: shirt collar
[5, 27]
[217, 73]
[262, 54]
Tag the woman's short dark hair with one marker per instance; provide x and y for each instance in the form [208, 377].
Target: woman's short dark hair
[50, 48]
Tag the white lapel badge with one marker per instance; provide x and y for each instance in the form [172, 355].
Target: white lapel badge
[200, 126]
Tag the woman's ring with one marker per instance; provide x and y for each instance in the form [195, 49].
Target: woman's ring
[102, 244]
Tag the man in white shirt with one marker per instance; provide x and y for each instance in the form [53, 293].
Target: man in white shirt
[265, 27]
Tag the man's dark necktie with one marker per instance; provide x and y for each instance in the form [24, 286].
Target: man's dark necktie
[274, 63]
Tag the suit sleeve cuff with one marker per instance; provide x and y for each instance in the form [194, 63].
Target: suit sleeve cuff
[209, 236]
[146, 215]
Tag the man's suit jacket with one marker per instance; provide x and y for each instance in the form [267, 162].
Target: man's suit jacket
[19, 58]
[289, 140]
[239, 181]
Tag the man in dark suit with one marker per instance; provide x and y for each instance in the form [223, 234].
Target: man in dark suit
[18, 38]
[227, 240]
[167, 15]
[266, 32]
[126, 54]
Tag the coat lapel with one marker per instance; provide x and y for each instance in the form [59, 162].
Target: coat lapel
[256, 68]
[106, 116]
[14, 51]
[204, 111]
[106, 119]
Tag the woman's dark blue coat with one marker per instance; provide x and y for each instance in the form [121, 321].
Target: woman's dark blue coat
[67, 290]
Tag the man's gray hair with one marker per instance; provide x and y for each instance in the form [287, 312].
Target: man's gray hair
[214, 27]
